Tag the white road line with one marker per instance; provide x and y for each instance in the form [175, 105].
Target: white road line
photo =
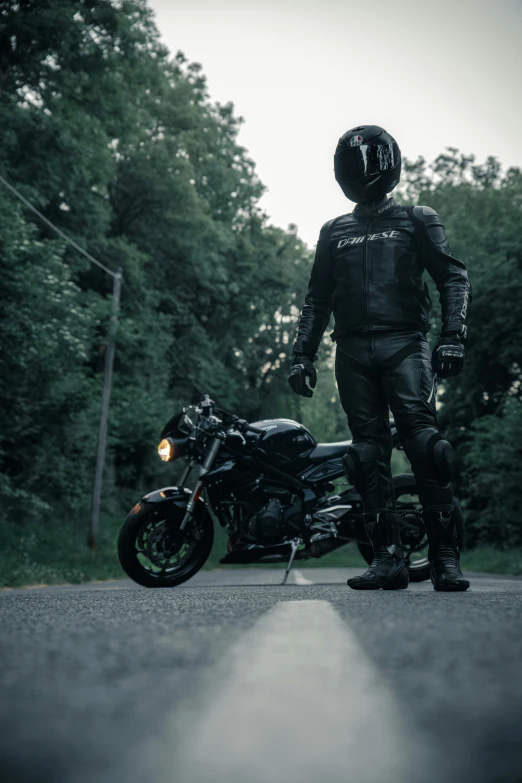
[300, 579]
[303, 703]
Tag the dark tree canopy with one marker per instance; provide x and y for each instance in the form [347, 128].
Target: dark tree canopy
[118, 143]
[481, 409]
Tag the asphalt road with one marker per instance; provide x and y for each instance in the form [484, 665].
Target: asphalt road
[234, 679]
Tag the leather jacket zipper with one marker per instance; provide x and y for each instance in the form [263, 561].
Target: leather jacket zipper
[367, 288]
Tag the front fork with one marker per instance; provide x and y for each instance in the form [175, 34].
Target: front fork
[203, 470]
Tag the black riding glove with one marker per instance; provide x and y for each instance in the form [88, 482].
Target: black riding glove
[448, 356]
[302, 369]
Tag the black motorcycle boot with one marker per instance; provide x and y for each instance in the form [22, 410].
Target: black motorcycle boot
[388, 570]
[444, 555]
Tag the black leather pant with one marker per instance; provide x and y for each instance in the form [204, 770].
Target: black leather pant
[375, 373]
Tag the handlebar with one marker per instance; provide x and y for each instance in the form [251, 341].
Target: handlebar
[256, 430]
[244, 426]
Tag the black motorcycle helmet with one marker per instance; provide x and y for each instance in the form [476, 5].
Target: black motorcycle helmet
[367, 163]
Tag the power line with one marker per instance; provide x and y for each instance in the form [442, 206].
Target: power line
[58, 230]
[109, 362]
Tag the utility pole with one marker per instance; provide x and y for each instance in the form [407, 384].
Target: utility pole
[106, 395]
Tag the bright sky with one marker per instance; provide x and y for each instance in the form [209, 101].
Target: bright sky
[302, 72]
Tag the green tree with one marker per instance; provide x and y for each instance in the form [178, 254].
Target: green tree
[119, 144]
[480, 207]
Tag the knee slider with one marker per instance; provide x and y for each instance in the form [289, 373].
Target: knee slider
[442, 456]
[359, 456]
[352, 466]
[430, 453]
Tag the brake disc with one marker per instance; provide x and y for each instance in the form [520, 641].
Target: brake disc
[161, 545]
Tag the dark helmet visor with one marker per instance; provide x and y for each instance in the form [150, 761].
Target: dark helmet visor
[353, 163]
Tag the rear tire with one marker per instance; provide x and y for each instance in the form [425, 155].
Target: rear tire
[420, 568]
[161, 521]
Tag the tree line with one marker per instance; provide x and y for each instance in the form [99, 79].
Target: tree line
[117, 142]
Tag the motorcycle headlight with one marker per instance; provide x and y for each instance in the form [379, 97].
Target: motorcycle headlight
[167, 450]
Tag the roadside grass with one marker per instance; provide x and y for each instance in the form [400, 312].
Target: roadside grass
[55, 553]
[489, 560]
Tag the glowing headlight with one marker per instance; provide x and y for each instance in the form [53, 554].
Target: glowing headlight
[167, 450]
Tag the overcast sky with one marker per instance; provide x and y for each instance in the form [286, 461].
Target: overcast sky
[302, 72]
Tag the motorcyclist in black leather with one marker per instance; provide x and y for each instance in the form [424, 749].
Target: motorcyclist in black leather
[368, 270]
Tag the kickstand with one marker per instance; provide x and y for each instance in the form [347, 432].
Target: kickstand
[294, 544]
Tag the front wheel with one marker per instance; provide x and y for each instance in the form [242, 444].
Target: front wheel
[155, 553]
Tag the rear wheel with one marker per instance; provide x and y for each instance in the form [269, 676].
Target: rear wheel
[413, 534]
[155, 553]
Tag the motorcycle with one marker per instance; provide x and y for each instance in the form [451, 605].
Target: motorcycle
[278, 492]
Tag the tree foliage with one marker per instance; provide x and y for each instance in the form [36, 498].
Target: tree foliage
[118, 143]
[481, 408]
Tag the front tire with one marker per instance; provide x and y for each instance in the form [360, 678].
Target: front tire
[153, 553]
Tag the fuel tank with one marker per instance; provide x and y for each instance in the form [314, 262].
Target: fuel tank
[286, 443]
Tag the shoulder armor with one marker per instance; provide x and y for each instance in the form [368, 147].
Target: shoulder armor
[426, 215]
[432, 227]
[327, 227]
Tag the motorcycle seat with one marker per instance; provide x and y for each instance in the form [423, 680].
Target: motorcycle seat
[324, 451]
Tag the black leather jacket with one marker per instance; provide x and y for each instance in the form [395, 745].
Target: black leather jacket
[368, 270]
